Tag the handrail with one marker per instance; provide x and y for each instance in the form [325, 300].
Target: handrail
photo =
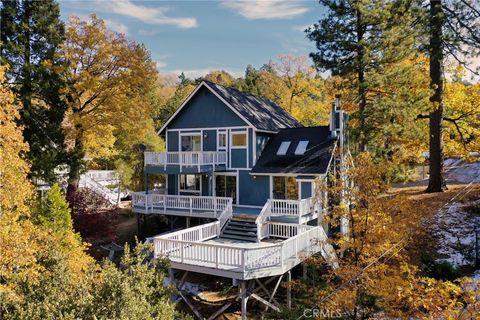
[186, 246]
[282, 207]
[186, 158]
[226, 215]
[262, 219]
[87, 182]
[188, 204]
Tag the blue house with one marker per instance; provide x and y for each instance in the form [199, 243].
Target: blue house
[225, 143]
[252, 173]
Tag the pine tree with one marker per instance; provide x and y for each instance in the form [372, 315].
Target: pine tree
[54, 212]
[357, 39]
[31, 33]
[453, 30]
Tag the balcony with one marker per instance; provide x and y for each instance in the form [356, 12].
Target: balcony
[188, 161]
[187, 206]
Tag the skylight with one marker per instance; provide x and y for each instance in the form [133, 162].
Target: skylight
[301, 148]
[282, 150]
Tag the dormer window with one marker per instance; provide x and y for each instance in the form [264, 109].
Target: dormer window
[282, 150]
[301, 148]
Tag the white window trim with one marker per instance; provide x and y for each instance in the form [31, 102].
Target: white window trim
[224, 132]
[232, 133]
[233, 174]
[190, 134]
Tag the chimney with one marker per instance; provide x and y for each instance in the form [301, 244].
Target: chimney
[337, 119]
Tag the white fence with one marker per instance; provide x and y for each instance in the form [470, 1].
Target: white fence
[187, 158]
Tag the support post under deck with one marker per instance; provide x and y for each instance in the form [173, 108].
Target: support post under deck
[289, 290]
[243, 296]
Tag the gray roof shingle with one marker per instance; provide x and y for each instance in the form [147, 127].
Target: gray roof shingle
[262, 113]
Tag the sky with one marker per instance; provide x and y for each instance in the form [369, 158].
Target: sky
[196, 37]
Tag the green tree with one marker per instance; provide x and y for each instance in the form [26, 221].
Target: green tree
[135, 290]
[31, 33]
[54, 212]
[453, 30]
[357, 39]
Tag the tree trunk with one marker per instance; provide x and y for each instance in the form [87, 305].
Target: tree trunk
[75, 164]
[436, 181]
[362, 103]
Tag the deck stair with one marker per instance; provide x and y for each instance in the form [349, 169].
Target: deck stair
[240, 228]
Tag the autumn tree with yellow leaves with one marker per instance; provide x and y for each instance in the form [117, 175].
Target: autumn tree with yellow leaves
[376, 275]
[110, 92]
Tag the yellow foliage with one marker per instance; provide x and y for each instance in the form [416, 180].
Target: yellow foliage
[111, 96]
[15, 190]
[375, 272]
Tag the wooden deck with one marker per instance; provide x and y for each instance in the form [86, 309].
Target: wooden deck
[197, 249]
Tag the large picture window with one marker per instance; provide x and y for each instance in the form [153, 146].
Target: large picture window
[190, 182]
[191, 143]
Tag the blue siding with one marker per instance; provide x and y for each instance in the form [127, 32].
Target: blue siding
[172, 184]
[205, 110]
[209, 140]
[239, 158]
[172, 141]
[253, 192]
[306, 190]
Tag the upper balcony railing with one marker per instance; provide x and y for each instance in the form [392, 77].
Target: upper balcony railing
[186, 158]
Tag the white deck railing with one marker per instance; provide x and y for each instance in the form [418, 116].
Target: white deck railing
[279, 208]
[87, 182]
[187, 247]
[186, 158]
[184, 205]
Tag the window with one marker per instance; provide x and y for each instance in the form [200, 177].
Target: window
[190, 182]
[191, 143]
[222, 140]
[226, 186]
[239, 139]
[282, 150]
[285, 188]
[301, 148]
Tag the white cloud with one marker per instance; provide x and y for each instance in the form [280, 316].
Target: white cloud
[116, 26]
[266, 9]
[151, 15]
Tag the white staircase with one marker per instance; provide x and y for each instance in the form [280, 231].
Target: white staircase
[87, 182]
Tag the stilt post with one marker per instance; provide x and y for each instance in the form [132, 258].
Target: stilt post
[289, 290]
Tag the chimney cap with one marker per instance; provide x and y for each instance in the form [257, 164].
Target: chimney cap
[338, 95]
